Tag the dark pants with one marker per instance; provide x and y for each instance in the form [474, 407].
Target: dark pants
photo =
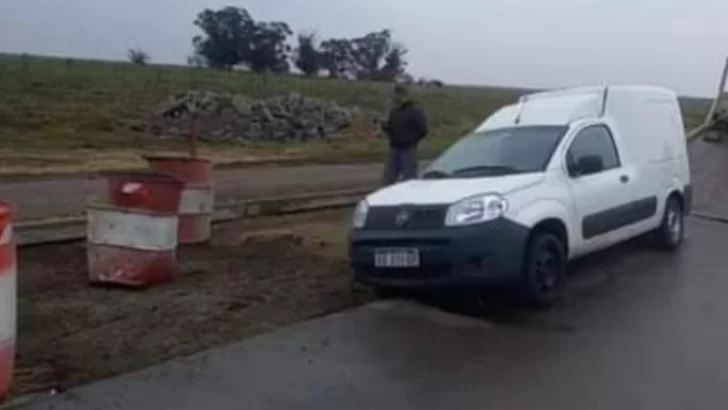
[401, 165]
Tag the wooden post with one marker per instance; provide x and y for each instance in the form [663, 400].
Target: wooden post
[719, 95]
[194, 130]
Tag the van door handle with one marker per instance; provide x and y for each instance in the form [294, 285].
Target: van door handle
[624, 179]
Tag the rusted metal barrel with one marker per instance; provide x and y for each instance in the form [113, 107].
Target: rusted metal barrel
[132, 236]
[8, 297]
[198, 197]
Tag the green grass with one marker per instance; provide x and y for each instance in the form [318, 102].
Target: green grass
[76, 111]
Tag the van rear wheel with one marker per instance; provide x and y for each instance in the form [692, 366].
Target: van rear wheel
[671, 232]
[544, 271]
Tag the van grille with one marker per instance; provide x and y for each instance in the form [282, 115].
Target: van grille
[417, 217]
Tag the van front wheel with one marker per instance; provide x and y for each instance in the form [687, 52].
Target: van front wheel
[671, 232]
[544, 271]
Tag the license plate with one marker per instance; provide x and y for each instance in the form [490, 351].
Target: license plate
[397, 258]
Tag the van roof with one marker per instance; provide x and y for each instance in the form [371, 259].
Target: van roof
[595, 90]
[563, 106]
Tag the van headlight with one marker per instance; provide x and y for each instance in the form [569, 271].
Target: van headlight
[476, 209]
[360, 214]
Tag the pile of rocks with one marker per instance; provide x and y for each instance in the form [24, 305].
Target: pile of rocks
[232, 117]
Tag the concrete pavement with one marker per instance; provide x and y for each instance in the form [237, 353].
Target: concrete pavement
[640, 330]
[709, 165]
[45, 198]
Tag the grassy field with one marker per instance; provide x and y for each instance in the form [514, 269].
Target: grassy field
[60, 115]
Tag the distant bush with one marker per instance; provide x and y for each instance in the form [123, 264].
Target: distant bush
[137, 56]
[430, 83]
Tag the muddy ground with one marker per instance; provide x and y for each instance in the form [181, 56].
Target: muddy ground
[253, 277]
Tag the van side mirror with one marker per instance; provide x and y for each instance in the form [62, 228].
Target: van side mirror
[586, 165]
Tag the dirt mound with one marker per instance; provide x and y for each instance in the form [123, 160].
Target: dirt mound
[234, 117]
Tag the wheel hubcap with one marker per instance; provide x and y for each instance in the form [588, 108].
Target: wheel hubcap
[674, 224]
[546, 269]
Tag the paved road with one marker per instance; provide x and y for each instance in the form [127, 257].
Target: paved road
[709, 163]
[640, 330]
[67, 196]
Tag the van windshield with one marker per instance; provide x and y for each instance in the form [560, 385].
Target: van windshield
[501, 151]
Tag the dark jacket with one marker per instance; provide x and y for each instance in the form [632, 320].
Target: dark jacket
[406, 126]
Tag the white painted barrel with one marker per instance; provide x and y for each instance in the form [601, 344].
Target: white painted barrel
[195, 213]
[131, 247]
[8, 295]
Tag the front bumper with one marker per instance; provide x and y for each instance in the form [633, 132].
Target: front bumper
[489, 254]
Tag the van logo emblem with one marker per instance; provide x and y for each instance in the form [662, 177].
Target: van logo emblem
[402, 218]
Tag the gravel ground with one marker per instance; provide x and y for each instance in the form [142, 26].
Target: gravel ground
[235, 287]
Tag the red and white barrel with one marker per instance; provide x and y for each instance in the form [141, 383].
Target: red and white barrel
[131, 247]
[132, 235]
[195, 213]
[8, 292]
[198, 196]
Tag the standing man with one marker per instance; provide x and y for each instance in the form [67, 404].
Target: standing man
[406, 126]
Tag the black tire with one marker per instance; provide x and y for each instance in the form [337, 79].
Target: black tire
[669, 236]
[544, 271]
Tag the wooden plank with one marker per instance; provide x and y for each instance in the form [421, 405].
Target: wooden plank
[719, 95]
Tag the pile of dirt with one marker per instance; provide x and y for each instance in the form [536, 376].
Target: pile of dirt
[234, 117]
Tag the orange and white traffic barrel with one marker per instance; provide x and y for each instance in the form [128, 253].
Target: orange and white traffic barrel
[132, 239]
[8, 295]
[198, 197]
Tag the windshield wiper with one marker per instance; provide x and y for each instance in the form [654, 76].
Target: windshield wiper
[494, 169]
[435, 174]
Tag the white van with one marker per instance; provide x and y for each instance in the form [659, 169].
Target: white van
[554, 177]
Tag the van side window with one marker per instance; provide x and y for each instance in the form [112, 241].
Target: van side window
[594, 143]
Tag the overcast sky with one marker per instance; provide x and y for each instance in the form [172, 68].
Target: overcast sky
[531, 43]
